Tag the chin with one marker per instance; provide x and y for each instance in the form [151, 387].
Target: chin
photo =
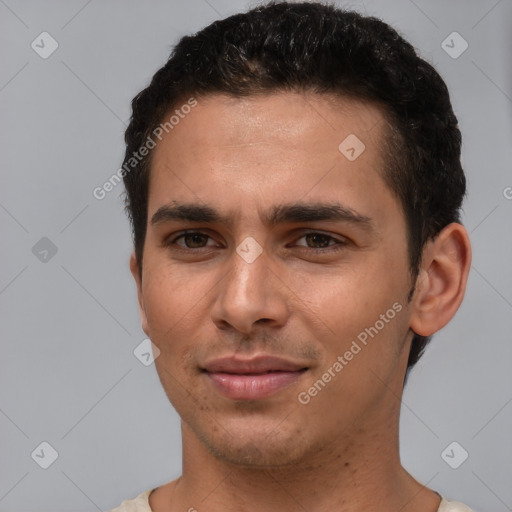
[250, 445]
[254, 455]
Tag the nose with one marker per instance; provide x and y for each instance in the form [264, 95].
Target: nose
[250, 294]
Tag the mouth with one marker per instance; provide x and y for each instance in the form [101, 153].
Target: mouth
[252, 379]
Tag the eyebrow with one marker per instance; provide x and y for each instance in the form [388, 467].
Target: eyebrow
[280, 214]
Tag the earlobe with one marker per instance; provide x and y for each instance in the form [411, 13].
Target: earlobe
[441, 282]
[134, 269]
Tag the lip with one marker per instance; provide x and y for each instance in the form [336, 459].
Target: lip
[259, 364]
[252, 379]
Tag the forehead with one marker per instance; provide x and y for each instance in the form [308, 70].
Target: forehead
[274, 148]
[283, 118]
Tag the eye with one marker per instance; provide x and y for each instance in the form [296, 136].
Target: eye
[192, 240]
[320, 241]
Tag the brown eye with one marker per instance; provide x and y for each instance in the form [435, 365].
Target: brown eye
[192, 240]
[319, 241]
[195, 240]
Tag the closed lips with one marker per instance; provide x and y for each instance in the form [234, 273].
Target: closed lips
[255, 366]
[252, 379]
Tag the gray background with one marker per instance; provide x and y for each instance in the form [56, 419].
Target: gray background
[68, 374]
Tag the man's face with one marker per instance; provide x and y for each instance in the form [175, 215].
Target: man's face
[268, 280]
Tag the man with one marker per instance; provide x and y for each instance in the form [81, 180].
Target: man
[293, 181]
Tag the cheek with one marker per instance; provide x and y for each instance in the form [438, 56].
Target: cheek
[357, 366]
[178, 310]
[360, 313]
[346, 298]
[172, 305]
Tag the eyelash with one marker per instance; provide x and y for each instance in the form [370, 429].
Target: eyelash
[340, 244]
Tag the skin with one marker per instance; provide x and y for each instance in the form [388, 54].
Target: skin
[199, 300]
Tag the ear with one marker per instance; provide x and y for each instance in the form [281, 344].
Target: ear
[441, 282]
[134, 268]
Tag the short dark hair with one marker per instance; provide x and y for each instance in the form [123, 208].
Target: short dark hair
[313, 47]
